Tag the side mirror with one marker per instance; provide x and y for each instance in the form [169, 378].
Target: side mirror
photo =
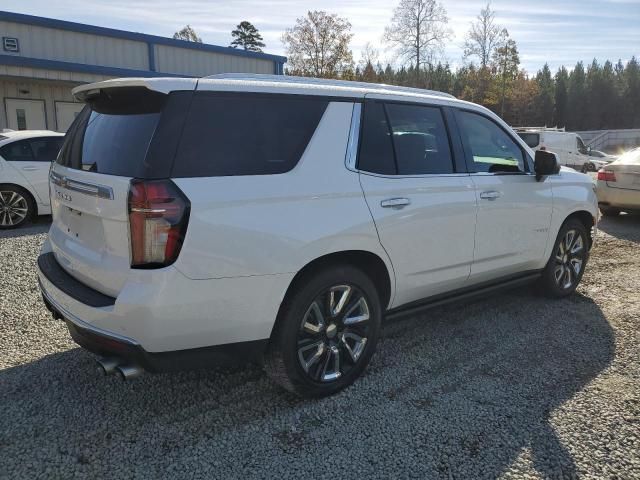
[545, 163]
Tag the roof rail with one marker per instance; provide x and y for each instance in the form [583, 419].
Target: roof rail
[325, 81]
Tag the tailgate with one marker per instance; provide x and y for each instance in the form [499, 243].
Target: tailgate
[124, 132]
[89, 234]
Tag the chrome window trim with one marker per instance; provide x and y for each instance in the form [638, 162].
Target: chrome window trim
[425, 175]
[91, 189]
[354, 137]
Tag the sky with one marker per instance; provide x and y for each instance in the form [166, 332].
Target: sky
[553, 31]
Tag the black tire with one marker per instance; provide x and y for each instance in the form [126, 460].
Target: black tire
[610, 211]
[13, 201]
[292, 334]
[564, 261]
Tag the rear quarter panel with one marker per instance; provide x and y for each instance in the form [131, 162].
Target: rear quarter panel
[275, 224]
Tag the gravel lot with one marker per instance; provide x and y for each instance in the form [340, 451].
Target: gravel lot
[513, 386]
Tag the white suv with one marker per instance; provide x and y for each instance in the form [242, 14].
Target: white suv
[25, 158]
[199, 222]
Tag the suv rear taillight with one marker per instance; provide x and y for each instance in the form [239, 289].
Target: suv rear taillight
[158, 217]
[606, 175]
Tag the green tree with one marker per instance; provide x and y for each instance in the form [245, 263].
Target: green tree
[247, 37]
[576, 98]
[561, 85]
[188, 34]
[632, 93]
[546, 96]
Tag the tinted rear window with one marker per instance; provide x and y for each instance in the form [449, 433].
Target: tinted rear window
[531, 139]
[113, 133]
[246, 134]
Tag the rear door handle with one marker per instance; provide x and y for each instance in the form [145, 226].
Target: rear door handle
[490, 195]
[30, 169]
[395, 203]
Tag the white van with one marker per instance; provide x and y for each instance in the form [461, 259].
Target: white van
[568, 146]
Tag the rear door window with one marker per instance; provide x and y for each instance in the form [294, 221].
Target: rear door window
[246, 134]
[376, 150]
[19, 151]
[46, 149]
[420, 140]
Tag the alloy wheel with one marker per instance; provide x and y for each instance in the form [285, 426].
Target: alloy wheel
[333, 333]
[13, 208]
[569, 259]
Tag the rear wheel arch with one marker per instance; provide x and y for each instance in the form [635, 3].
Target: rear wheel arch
[369, 263]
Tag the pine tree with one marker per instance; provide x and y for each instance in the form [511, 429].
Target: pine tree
[632, 94]
[560, 110]
[546, 96]
[576, 99]
[247, 36]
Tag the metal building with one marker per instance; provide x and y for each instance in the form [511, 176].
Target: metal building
[42, 59]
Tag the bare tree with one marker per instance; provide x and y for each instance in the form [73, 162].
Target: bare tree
[188, 34]
[318, 45]
[484, 37]
[368, 63]
[418, 30]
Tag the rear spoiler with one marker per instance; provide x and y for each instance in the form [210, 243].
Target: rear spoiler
[161, 85]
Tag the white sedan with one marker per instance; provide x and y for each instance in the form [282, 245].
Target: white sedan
[25, 158]
[619, 184]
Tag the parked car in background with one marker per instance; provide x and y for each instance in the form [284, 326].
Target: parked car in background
[25, 159]
[619, 185]
[180, 239]
[569, 147]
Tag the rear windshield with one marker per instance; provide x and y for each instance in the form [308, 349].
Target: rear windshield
[246, 134]
[134, 132]
[113, 132]
[531, 139]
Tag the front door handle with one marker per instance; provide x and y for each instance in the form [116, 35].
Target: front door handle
[490, 195]
[29, 169]
[395, 203]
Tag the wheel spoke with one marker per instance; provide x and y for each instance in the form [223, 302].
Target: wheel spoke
[314, 357]
[338, 298]
[333, 359]
[358, 312]
[568, 275]
[358, 344]
[319, 325]
[568, 239]
[577, 245]
[559, 273]
[576, 263]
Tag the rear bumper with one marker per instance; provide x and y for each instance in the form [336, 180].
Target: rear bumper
[105, 343]
[618, 197]
[164, 321]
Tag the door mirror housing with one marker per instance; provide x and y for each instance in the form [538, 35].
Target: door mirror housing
[546, 163]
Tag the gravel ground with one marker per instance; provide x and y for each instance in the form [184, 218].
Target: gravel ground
[512, 386]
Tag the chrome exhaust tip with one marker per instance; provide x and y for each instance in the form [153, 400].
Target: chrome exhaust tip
[127, 372]
[107, 365]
